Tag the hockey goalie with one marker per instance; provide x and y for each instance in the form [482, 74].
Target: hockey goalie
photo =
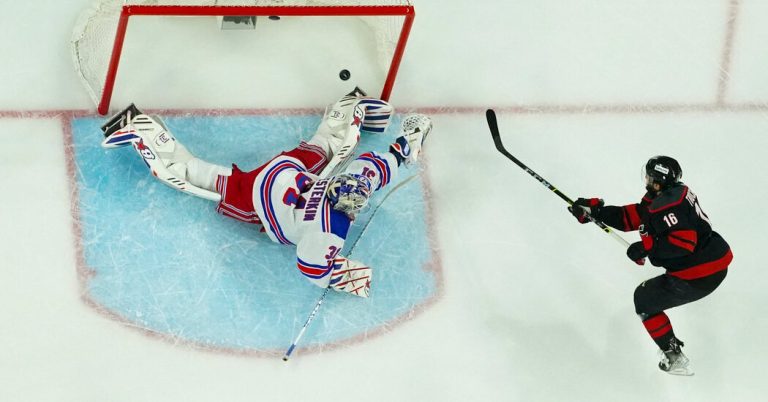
[307, 197]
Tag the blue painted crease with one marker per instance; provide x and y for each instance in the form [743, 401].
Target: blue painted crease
[167, 262]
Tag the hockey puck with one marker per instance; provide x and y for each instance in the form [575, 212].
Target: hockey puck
[344, 74]
[274, 17]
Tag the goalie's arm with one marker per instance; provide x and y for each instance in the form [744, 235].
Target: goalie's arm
[315, 254]
[319, 261]
[380, 167]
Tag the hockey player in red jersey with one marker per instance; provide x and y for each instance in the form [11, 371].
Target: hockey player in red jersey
[675, 234]
[307, 196]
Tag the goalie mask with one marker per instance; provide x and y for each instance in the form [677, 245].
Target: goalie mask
[349, 193]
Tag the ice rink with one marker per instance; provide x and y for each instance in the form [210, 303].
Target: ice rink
[495, 292]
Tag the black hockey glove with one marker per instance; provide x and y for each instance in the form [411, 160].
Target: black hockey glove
[637, 253]
[582, 206]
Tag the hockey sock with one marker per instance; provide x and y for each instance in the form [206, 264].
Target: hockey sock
[660, 329]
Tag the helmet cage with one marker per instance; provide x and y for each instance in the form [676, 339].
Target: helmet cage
[349, 193]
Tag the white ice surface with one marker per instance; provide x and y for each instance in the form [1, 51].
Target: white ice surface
[535, 307]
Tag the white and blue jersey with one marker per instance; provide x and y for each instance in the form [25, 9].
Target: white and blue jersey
[293, 207]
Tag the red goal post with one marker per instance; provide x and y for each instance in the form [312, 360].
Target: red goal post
[100, 88]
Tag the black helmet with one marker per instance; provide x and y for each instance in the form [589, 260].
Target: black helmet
[662, 170]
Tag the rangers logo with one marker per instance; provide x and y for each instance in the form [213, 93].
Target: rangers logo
[358, 120]
[143, 150]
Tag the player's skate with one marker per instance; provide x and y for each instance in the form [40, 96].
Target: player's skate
[674, 361]
[351, 277]
[415, 128]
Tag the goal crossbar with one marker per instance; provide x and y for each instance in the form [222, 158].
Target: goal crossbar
[407, 11]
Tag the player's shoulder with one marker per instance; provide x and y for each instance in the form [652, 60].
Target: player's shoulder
[669, 198]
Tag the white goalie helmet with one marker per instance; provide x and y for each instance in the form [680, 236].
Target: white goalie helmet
[349, 193]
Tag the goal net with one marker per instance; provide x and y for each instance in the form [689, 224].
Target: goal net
[101, 38]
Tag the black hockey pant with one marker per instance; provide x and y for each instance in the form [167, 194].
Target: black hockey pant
[663, 292]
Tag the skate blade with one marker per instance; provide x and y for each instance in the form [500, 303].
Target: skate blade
[685, 372]
[119, 120]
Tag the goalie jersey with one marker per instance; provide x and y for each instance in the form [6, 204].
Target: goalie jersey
[290, 201]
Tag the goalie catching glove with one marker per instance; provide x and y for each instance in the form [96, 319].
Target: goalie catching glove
[351, 276]
[414, 131]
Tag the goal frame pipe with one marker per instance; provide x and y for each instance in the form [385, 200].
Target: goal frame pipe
[406, 11]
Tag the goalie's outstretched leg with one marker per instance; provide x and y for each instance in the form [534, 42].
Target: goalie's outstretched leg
[339, 132]
[167, 159]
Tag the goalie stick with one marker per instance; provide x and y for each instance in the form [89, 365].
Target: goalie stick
[490, 115]
[351, 250]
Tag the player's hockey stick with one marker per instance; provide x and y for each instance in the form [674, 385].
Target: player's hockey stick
[490, 115]
[306, 324]
[320, 300]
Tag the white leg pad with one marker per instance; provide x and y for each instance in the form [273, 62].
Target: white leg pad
[336, 124]
[204, 174]
[166, 158]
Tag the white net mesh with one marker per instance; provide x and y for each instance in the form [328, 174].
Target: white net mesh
[93, 36]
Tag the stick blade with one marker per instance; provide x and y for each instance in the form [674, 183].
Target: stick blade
[493, 125]
[490, 116]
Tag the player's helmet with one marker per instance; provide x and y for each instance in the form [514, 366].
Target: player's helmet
[662, 170]
[349, 192]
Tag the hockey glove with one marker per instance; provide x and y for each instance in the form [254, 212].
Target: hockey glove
[351, 277]
[583, 206]
[637, 253]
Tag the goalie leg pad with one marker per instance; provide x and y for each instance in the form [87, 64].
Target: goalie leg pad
[377, 115]
[156, 136]
[339, 135]
[354, 110]
[167, 158]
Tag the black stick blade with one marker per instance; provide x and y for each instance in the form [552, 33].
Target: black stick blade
[490, 115]
[493, 125]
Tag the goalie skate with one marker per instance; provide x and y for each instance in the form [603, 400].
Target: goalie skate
[117, 132]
